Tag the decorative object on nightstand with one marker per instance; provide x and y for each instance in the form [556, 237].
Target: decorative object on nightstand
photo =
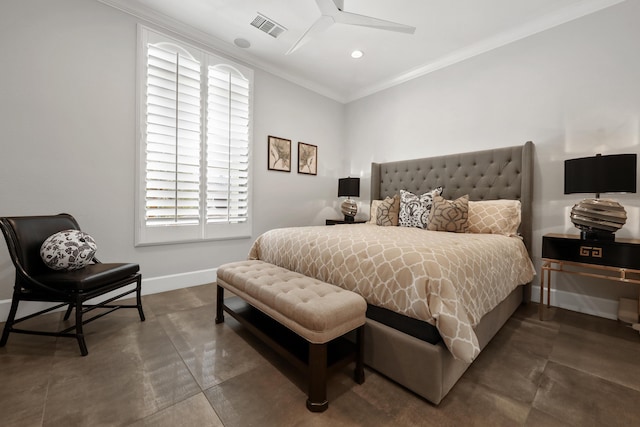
[349, 187]
[599, 219]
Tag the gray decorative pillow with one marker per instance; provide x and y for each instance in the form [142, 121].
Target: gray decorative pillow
[68, 250]
[449, 215]
[414, 210]
[387, 211]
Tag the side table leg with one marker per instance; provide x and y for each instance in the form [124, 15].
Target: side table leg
[541, 305]
[545, 280]
[548, 288]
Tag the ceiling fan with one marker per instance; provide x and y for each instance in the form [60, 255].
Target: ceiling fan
[332, 12]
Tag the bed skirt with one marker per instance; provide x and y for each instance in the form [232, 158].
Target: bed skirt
[399, 356]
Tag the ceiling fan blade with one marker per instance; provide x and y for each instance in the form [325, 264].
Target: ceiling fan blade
[319, 26]
[369, 21]
[328, 7]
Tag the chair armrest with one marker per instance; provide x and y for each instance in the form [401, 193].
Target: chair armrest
[36, 283]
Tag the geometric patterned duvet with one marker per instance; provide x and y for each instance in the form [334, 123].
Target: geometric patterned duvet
[450, 280]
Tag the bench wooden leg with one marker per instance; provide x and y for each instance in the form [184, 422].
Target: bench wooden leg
[219, 304]
[358, 373]
[317, 401]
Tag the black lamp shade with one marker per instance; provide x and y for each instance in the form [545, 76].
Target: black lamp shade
[349, 187]
[601, 174]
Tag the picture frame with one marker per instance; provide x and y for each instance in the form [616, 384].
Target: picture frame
[307, 159]
[279, 154]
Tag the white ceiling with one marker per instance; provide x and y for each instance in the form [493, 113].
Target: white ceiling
[447, 31]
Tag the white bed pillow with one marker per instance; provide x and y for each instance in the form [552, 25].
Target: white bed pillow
[414, 210]
[494, 217]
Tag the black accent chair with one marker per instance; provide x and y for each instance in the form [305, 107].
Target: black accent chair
[37, 282]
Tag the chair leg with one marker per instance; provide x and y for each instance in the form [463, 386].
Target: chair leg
[139, 297]
[68, 313]
[9, 324]
[79, 332]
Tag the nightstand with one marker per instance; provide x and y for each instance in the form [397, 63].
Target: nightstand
[617, 260]
[342, 221]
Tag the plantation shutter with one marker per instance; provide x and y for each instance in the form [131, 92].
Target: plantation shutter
[193, 176]
[227, 146]
[173, 136]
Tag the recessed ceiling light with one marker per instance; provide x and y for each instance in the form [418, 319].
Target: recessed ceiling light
[357, 54]
[243, 43]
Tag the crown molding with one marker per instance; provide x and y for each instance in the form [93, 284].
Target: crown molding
[549, 21]
[159, 20]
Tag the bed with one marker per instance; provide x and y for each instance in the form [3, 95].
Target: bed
[429, 311]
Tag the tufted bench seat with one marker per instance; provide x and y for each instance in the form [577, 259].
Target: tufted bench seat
[314, 310]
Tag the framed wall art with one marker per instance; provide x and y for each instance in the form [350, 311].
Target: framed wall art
[279, 154]
[307, 159]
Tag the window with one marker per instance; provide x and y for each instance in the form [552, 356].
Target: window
[194, 145]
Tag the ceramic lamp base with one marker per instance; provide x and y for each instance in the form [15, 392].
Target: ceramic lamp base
[598, 219]
[349, 209]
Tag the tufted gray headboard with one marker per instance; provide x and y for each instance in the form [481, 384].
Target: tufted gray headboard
[501, 173]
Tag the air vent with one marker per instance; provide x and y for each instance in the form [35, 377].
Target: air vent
[267, 25]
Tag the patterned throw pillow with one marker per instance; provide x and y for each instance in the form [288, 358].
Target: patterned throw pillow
[414, 210]
[374, 212]
[68, 250]
[495, 217]
[388, 211]
[449, 215]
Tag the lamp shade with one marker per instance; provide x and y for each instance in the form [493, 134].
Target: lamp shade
[601, 174]
[349, 187]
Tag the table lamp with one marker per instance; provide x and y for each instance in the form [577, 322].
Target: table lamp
[349, 187]
[599, 219]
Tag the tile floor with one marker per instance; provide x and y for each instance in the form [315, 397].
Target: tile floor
[180, 369]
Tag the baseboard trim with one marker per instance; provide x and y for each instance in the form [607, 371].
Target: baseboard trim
[171, 282]
[594, 306]
[150, 286]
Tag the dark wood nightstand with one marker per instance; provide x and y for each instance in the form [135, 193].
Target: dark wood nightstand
[342, 221]
[617, 260]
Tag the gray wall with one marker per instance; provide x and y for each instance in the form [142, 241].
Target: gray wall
[574, 90]
[67, 115]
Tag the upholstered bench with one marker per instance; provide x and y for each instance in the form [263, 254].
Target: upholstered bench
[316, 311]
